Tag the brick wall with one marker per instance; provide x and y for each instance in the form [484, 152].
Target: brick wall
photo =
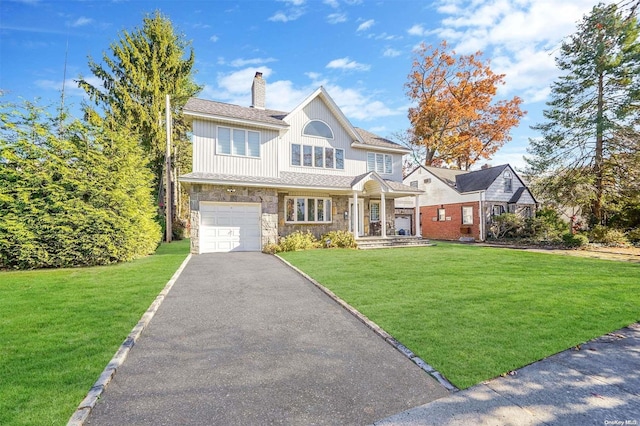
[451, 228]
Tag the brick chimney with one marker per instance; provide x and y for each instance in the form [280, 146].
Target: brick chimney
[258, 92]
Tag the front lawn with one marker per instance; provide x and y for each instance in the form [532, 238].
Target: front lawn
[477, 312]
[59, 328]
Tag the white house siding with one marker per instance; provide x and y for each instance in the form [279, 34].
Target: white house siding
[355, 162]
[206, 160]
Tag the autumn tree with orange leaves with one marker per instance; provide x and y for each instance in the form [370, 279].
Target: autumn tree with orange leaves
[455, 121]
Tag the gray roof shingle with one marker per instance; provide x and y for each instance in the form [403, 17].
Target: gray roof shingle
[375, 140]
[479, 179]
[220, 109]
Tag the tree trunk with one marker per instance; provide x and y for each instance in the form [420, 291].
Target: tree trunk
[598, 159]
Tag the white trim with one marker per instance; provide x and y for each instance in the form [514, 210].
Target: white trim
[242, 121]
[306, 209]
[359, 145]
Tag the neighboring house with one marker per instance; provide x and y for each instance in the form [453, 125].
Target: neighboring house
[260, 174]
[459, 204]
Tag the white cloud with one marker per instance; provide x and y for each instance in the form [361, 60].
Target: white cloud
[347, 64]
[293, 2]
[336, 18]
[391, 53]
[417, 30]
[284, 95]
[81, 21]
[294, 11]
[214, 38]
[71, 87]
[253, 61]
[366, 25]
[332, 3]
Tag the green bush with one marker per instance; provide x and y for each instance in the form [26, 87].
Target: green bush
[634, 236]
[506, 225]
[338, 239]
[298, 240]
[608, 236]
[546, 226]
[574, 240]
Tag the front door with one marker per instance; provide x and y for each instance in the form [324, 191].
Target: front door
[360, 216]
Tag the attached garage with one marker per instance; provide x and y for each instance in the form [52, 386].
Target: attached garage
[228, 227]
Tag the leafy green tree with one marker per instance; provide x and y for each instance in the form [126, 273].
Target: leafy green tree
[590, 135]
[77, 195]
[141, 68]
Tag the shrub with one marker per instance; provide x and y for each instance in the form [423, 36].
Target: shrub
[574, 240]
[546, 225]
[271, 248]
[506, 225]
[634, 236]
[338, 239]
[608, 236]
[178, 229]
[298, 240]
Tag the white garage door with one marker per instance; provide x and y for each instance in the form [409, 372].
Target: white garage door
[229, 227]
[403, 222]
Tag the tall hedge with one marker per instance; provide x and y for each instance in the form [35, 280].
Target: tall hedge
[71, 194]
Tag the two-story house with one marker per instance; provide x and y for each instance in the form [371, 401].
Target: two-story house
[259, 174]
[460, 205]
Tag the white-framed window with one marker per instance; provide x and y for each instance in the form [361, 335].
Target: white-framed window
[413, 184]
[317, 156]
[318, 128]
[379, 163]
[239, 142]
[508, 181]
[307, 210]
[467, 215]
[374, 211]
[497, 210]
[442, 215]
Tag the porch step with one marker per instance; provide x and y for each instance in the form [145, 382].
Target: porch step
[392, 242]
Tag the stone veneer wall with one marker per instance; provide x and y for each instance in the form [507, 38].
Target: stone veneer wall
[267, 197]
[339, 205]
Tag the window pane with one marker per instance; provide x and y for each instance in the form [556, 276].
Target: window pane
[371, 161]
[317, 158]
[295, 154]
[340, 159]
[375, 212]
[300, 205]
[318, 128]
[224, 140]
[388, 164]
[320, 210]
[238, 146]
[441, 215]
[467, 215]
[290, 207]
[311, 210]
[328, 152]
[307, 156]
[253, 147]
[379, 163]
[327, 209]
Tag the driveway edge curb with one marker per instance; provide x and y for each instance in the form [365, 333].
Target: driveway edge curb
[81, 414]
[379, 331]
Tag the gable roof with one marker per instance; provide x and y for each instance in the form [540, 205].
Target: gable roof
[272, 119]
[196, 107]
[478, 180]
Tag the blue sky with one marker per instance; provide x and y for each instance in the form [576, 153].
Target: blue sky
[359, 50]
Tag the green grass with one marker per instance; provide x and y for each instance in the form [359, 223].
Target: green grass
[59, 328]
[476, 312]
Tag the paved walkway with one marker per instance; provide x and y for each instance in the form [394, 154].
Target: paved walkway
[243, 339]
[599, 384]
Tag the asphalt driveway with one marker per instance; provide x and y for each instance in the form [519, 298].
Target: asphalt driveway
[243, 339]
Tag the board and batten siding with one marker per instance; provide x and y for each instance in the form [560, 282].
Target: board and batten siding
[355, 160]
[496, 191]
[206, 160]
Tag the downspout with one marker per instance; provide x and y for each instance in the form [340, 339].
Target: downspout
[481, 213]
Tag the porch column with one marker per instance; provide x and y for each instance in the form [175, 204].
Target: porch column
[383, 215]
[355, 215]
[416, 212]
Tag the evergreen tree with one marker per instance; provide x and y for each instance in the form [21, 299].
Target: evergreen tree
[77, 196]
[590, 135]
[142, 68]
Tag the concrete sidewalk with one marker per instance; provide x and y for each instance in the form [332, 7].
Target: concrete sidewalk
[599, 384]
[243, 339]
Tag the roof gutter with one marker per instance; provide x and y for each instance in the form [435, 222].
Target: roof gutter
[240, 121]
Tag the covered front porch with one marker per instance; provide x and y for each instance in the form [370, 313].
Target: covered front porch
[371, 212]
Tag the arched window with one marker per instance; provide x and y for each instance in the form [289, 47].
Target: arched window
[318, 128]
